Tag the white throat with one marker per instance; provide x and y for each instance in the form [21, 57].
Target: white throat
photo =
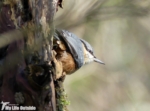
[88, 57]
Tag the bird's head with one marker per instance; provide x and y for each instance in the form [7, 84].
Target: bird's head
[89, 54]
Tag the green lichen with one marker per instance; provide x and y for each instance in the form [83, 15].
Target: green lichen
[61, 97]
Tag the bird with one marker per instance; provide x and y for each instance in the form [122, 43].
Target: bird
[71, 52]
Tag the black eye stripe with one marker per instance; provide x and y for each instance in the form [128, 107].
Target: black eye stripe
[87, 46]
[91, 52]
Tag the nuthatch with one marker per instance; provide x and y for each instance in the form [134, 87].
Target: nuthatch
[71, 52]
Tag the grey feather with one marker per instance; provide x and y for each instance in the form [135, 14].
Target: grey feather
[74, 45]
[88, 46]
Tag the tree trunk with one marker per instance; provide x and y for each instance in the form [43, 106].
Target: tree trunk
[26, 71]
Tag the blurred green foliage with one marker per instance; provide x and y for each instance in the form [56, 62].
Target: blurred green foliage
[119, 32]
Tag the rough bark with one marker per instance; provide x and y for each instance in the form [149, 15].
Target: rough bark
[26, 71]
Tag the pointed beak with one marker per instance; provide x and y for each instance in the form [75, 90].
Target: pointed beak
[99, 61]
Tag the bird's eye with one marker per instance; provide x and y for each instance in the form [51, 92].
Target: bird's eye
[91, 52]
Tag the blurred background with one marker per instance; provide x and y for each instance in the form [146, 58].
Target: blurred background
[119, 31]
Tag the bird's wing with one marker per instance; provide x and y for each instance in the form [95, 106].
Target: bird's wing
[74, 45]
